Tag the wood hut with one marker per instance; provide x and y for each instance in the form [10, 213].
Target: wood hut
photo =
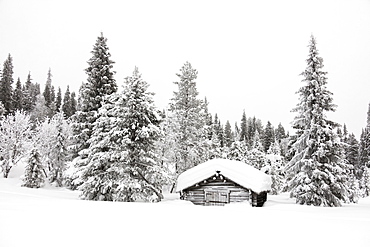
[221, 181]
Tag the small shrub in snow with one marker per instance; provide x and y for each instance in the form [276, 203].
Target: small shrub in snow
[34, 175]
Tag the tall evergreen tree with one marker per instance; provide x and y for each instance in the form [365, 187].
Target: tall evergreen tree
[280, 133]
[40, 111]
[28, 102]
[66, 107]
[73, 103]
[228, 134]
[345, 133]
[100, 83]
[254, 125]
[268, 137]
[47, 91]
[244, 129]
[351, 154]
[18, 96]
[317, 172]
[6, 88]
[58, 100]
[364, 152]
[219, 130]
[189, 127]
[122, 164]
[209, 120]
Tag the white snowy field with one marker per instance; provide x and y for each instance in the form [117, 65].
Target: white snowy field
[57, 217]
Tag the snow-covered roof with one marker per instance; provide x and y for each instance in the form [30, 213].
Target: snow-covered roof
[237, 171]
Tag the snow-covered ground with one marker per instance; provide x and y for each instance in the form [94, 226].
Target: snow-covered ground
[56, 217]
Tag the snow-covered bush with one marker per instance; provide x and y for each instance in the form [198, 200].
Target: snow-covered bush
[15, 135]
[34, 175]
[53, 138]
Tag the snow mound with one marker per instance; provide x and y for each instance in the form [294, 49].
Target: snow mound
[237, 171]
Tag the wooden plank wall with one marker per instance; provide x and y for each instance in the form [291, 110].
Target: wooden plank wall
[196, 194]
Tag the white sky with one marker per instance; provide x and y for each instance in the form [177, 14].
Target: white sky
[249, 54]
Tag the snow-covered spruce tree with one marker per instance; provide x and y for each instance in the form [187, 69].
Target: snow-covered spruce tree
[364, 155]
[238, 151]
[244, 129]
[67, 103]
[34, 174]
[40, 111]
[188, 129]
[15, 134]
[29, 91]
[229, 138]
[255, 156]
[100, 82]
[364, 158]
[47, 91]
[18, 96]
[122, 164]
[269, 136]
[364, 183]
[317, 172]
[58, 100]
[351, 154]
[6, 88]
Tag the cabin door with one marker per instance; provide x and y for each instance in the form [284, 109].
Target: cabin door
[216, 197]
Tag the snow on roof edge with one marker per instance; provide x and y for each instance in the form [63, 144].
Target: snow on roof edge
[239, 172]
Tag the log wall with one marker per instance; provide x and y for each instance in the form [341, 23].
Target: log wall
[216, 190]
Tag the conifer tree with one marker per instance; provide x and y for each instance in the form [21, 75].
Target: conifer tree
[351, 154]
[40, 111]
[364, 152]
[269, 136]
[317, 172]
[66, 107]
[218, 130]
[58, 100]
[345, 133]
[122, 164]
[209, 120]
[6, 88]
[100, 83]
[60, 149]
[18, 96]
[228, 134]
[238, 151]
[47, 91]
[28, 102]
[73, 103]
[189, 131]
[34, 175]
[280, 133]
[364, 186]
[243, 129]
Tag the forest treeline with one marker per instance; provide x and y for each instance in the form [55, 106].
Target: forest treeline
[116, 145]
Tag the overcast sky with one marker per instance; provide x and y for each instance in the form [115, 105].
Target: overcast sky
[248, 54]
